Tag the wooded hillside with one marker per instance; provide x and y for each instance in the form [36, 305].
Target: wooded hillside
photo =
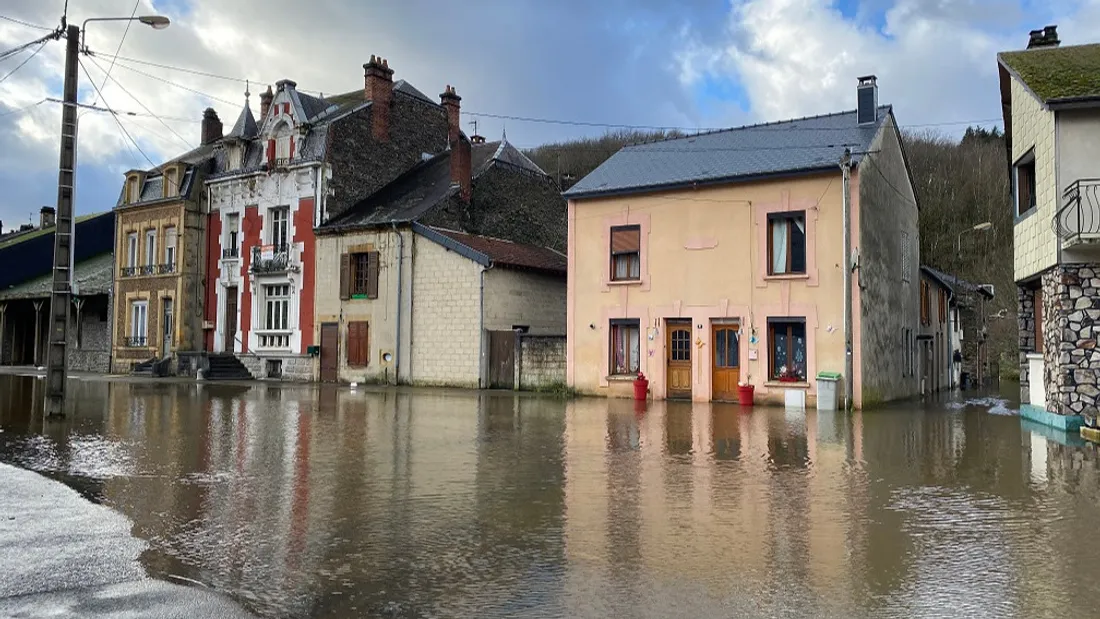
[959, 184]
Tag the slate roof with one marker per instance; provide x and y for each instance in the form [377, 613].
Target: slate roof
[245, 128]
[794, 146]
[1057, 74]
[957, 284]
[499, 252]
[18, 237]
[91, 277]
[422, 187]
[153, 187]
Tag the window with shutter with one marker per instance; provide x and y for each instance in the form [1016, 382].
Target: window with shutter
[358, 347]
[345, 276]
[626, 263]
[363, 275]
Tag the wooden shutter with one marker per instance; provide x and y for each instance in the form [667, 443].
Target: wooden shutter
[345, 276]
[1039, 320]
[358, 343]
[372, 275]
[626, 240]
[270, 151]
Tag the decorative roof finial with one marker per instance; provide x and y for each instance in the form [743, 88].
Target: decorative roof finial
[246, 93]
[504, 133]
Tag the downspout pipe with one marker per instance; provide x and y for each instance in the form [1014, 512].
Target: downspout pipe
[849, 370]
[400, 287]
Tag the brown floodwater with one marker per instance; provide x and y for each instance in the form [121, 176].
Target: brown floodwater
[324, 502]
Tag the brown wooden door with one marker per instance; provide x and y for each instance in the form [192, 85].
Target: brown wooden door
[726, 367]
[502, 359]
[230, 317]
[330, 352]
[678, 353]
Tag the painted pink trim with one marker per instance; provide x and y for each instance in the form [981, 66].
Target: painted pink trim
[857, 312]
[785, 204]
[787, 309]
[611, 312]
[626, 218]
[708, 242]
[571, 297]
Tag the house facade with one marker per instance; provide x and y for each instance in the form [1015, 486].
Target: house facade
[704, 265]
[306, 160]
[159, 272]
[464, 244]
[1050, 95]
[934, 354]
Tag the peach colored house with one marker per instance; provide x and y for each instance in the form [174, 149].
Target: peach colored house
[716, 259]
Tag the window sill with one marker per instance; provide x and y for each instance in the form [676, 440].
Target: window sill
[624, 282]
[788, 276]
[778, 384]
[620, 378]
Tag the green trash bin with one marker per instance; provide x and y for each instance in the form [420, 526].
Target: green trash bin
[827, 385]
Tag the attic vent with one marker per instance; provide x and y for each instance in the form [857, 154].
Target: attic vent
[867, 100]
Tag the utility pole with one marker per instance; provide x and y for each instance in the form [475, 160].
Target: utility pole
[57, 357]
[846, 172]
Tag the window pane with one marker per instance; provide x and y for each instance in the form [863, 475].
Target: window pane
[779, 350]
[635, 355]
[798, 245]
[720, 349]
[779, 246]
[798, 349]
[733, 349]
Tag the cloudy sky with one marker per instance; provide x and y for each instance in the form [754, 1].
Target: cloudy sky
[688, 64]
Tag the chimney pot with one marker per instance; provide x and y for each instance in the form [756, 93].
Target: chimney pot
[1046, 36]
[867, 100]
[265, 102]
[378, 89]
[211, 126]
[47, 217]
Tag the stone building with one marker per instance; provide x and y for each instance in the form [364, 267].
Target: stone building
[304, 162]
[159, 270]
[964, 305]
[1050, 95]
[465, 243]
[26, 257]
[707, 265]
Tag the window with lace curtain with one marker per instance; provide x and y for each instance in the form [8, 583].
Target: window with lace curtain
[787, 243]
[626, 255]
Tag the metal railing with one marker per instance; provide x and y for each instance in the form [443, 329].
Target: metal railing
[1079, 215]
[148, 269]
[166, 269]
[128, 271]
[230, 252]
[277, 262]
[135, 342]
[273, 338]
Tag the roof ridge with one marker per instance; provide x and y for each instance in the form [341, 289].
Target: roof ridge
[757, 125]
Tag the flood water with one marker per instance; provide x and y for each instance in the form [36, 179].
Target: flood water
[309, 501]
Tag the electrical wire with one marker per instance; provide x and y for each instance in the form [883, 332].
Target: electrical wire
[115, 116]
[901, 195]
[15, 50]
[120, 41]
[22, 109]
[180, 86]
[20, 65]
[143, 106]
[24, 23]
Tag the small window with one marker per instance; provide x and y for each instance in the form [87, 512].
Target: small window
[359, 275]
[925, 304]
[138, 322]
[1024, 178]
[787, 350]
[278, 231]
[132, 249]
[150, 247]
[170, 246]
[787, 243]
[358, 348]
[132, 193]
[625, 352]
[232, 240]
[277, 310]
[235, 157]
[626, 255]
[943, 306]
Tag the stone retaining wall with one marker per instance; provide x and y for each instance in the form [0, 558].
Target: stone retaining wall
[541, 361]
[1025, 313]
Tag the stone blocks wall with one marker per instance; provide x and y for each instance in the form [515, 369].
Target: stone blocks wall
[1025, 317]
[446, 318]
[1071, 329]
[541, 361]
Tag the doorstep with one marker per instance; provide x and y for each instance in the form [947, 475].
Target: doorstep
[1066, 423]
[1090, 434]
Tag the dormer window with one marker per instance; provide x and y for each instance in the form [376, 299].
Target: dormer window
[132, 190]
[284, 143]
[235, 156]
[171, 183]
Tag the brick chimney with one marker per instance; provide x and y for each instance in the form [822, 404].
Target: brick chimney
[460, 147]
[378, 89]
[47, 217]
[211, 126]
[1044, 37]
[265, 102]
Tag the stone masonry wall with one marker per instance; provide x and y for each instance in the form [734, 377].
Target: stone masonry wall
[1071, 328]
[1025, 317]
[541, 362]
[446, 318]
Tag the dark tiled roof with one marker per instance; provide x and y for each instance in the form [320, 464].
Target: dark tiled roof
[957, 284]
[509, 254]
[792, 146]
[409, 89]
[1057, 73]
[312, 106]
[153, 187]
[91, 277]
[245, 128]
[427, 184]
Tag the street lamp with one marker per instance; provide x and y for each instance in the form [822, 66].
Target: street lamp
[61, 287]
[982, 227]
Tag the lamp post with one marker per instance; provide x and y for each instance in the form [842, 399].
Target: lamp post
[61, 287]
[982, 227]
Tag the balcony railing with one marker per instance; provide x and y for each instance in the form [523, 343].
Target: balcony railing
[129, 271]
[148, 269]
[135, 342]
[273, 339]
[1078, 220]
[166, 269]
[230, 252]
[271, 259]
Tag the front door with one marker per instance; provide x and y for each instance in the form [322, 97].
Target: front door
[230, 318]
[726, 371]
[330, 352]
[169, 327]
[678, 352]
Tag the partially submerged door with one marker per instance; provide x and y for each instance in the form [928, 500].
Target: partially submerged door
[678, 353]
[502, 359]
[330, 352]
[230, 318]
[726, 369]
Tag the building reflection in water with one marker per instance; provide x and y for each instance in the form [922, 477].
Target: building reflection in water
[321, 501]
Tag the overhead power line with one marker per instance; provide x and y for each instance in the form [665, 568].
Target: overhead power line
[16, 50]
[180, 86]
[143, 106]
[97, 108]
[115, 116]
[20, 65]
[24, 23]
[120, 41]
[22, 109]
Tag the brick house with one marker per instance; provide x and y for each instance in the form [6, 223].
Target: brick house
[417, 299]
[1050, 96]
[304, 162]
[159, 274]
